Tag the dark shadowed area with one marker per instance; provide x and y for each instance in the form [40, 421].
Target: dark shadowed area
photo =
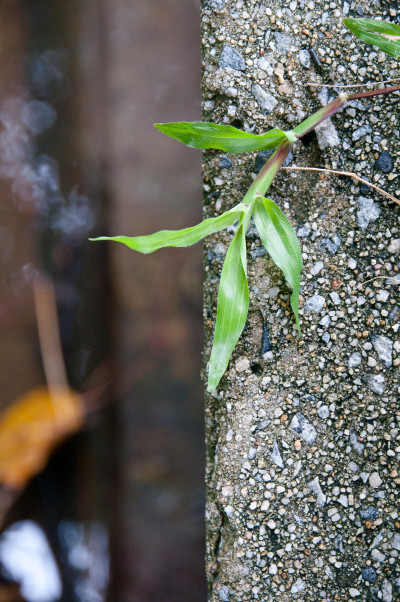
[118, 514]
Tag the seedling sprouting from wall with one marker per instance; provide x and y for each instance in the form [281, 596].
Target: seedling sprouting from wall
[275, 231]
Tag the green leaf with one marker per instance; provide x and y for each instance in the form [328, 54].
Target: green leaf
[233, 305]
[280, 240]
[383, 34]
[179, 238]
[200, 134]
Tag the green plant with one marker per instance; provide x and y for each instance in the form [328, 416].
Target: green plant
[275, 231]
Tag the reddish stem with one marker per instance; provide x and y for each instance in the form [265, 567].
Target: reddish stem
[374, 92]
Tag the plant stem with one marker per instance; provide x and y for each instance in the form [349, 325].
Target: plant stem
[374, 92]
[309, 124]
[264, 179]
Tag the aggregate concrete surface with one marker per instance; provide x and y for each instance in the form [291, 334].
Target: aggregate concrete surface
[303, 433]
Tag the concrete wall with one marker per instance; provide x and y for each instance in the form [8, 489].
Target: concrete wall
[303, 437]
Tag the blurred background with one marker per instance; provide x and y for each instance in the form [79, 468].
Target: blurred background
[117, 514]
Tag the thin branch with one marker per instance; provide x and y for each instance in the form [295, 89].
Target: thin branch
[349, 174]
[393, 281]
[386, 81]
[49, 334]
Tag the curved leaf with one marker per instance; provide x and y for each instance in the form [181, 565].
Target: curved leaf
[233, 305]
[179, 238]
[201, 134]
[383, 34]
[280, 240]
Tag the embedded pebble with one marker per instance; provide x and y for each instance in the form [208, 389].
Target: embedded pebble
[395, 543]
[325, 321]
[335, 298]
[384, 348]
[225, 162]
[315, 304]
[273, 292]
[360, 132]
[375, 382]
[327, 135]
[216, 4]
[383, 295]
[316, 268]
[242, 364]
[209, 105]
[323, 412]
[276, 455]
[375, 480]
[326, 337]
[303, 231]
[368, 212]
[304, 428]
[355, 359]
[315, 487]
[265, 100]
[377, 556]
[283, 43]
[331, 245]
[394, 246]
[304, 57]
[384, 162]
[265, 65]
[387, 591]
[232, 59]
[377, 540]
[354, 593]
[231, 92]
[298, 586]
[369, 574]
[355, 443]
[370, 513]
[273, 569]
[223, 593]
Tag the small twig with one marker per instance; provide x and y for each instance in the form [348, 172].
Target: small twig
[49, 334]
[394, 281]
[349, 174]
[386, 81]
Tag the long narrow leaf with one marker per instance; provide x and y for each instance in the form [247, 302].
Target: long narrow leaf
[280, 240]
[179, 238]
[383, 34]
[233, 305]
[201, 134]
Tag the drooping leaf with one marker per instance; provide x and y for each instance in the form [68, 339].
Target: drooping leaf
[233, 305]
[31, 427]
[280, 240]
[201, 134]
[179, 238]
[383, 34]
